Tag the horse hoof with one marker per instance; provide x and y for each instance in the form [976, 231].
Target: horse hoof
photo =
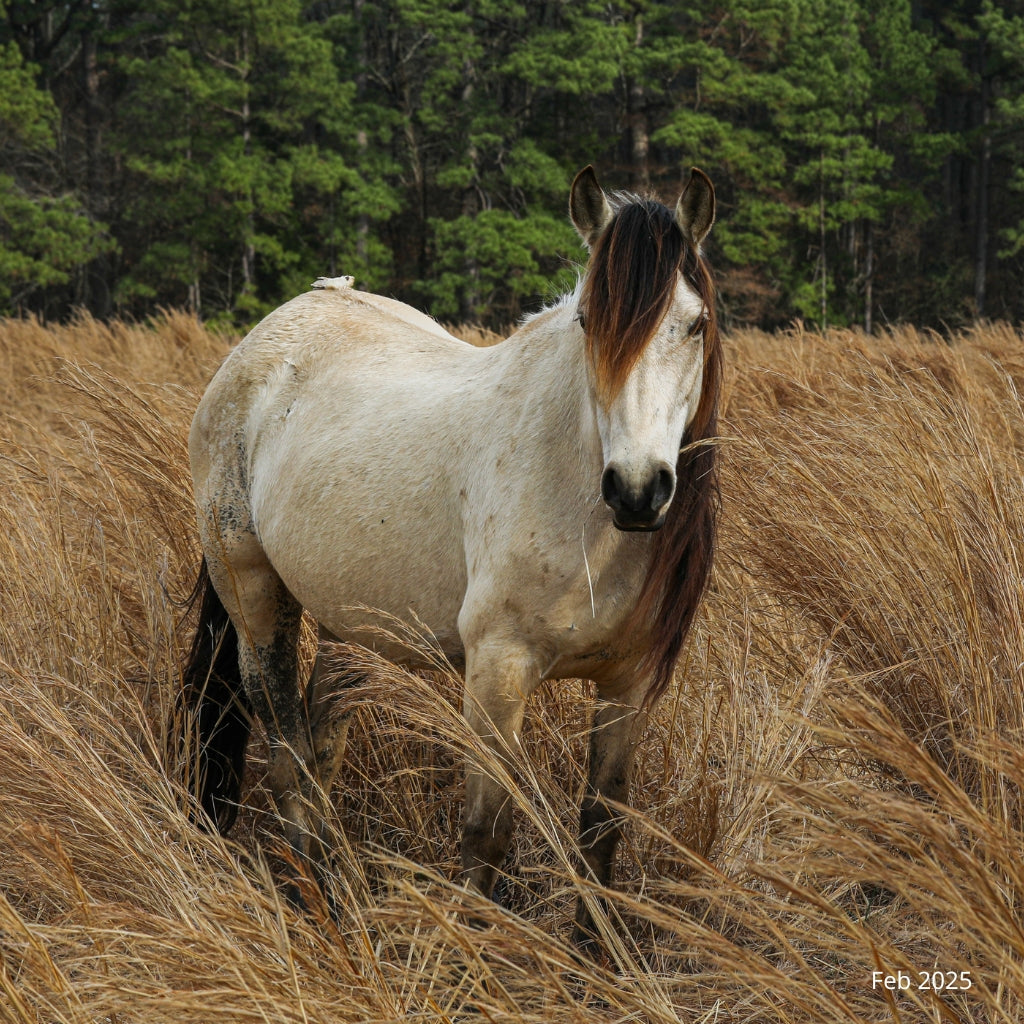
[500, 893]
[294, 898]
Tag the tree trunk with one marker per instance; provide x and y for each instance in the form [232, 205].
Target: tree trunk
[822, 238]
[362, 145]
[248, 241]
[471, 298]
[248, 244]
[869, 276]
[95, 290]
[419, 186]
[637, 124]
[981, 218]
[363, 220]
[470, 208]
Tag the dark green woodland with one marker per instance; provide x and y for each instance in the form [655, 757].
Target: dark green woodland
[218, 156]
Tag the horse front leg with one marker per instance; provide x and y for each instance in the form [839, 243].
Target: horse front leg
[613, 737]
[497, 687]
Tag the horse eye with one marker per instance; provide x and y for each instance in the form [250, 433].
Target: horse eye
[698, 325]
[579, 317]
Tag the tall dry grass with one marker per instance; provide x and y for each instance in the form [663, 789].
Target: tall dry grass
[831, 789]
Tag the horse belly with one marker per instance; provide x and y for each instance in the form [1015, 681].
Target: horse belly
[363, 534]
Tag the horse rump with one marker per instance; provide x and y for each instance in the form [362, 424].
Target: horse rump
[212, 719]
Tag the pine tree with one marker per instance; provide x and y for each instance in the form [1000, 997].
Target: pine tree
[1002, 28]
[476, 237]
[234, 129]
[45, 234]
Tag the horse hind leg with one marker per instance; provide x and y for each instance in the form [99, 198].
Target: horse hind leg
[266, 619]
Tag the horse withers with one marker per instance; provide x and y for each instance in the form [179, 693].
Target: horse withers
[545, 507]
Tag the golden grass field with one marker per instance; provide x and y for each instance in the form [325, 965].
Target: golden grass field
[832, 788]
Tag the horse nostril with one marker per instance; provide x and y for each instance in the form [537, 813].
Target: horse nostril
[611, 488]
[664, 484]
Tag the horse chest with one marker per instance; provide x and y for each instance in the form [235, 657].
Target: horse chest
[568, 597]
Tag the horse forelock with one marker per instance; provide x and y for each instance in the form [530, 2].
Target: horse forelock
[628, 288]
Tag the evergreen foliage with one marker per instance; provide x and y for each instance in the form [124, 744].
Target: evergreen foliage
[44, 233]
[219, 156]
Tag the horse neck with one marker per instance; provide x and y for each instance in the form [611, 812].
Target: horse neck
[547, 356]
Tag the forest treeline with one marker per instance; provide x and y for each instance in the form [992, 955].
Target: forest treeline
[218, 155]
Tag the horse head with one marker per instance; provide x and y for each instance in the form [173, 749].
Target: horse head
[645, 307]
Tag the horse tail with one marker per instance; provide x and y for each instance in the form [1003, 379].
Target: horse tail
[212, 717]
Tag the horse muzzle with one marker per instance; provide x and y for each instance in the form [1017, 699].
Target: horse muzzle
[640, 506]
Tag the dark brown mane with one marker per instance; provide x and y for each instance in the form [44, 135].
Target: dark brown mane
[629, 285]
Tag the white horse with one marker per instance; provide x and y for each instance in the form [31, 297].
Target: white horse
[350, 453]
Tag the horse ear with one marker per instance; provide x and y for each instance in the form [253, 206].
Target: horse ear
[588, 206]
[695, 211]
